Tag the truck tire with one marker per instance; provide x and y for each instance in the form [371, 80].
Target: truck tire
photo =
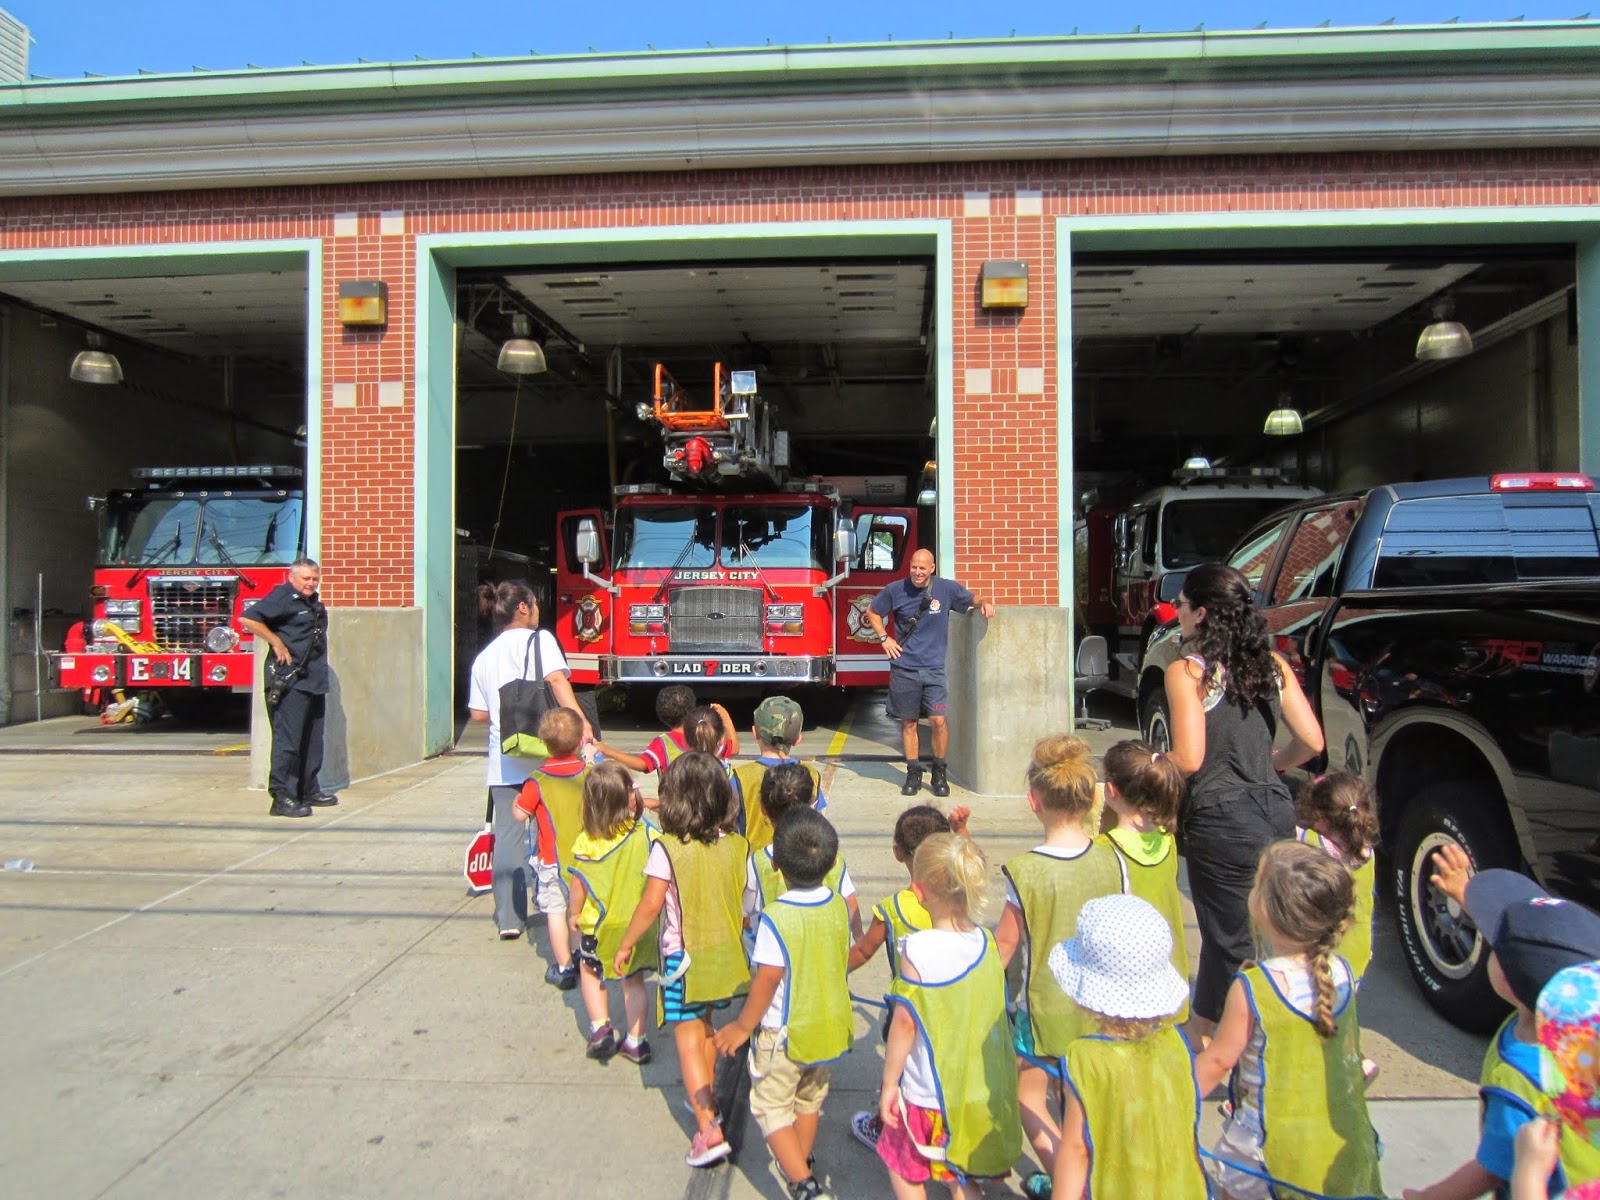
[1443, 950]
[1155, 721]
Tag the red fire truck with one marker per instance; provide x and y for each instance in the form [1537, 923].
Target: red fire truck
[764, 590]
[180, 559]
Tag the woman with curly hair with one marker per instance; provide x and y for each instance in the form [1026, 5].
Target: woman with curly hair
[1227, 696]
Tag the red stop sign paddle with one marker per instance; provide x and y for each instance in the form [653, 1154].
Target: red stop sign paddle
[479, 865]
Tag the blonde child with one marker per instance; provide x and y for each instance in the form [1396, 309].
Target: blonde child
[607, 873]
[949, 1099]
[777, 725]
[1336, 814]
[674, 704]
[798, 1008]
[784, 788]
[695, 884]
[552, 799]
[1290, 1039]
[1144, 789]
[1045, 888]
[1130, 1126]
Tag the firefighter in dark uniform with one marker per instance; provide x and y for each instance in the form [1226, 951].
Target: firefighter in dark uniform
[293, 622]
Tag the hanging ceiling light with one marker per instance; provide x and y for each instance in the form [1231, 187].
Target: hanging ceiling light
[521, 355]
[1285, 420]
[1443, 338]
[1197, 462]
[96, 364]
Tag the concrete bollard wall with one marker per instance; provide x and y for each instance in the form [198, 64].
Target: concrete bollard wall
[1010, 682]
[375, 698]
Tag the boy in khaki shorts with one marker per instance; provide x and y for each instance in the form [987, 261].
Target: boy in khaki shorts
[798, 1009]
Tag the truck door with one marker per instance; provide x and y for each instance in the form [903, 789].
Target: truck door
[583, 611]
[885, 540]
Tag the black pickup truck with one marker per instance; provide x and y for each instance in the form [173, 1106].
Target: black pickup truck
[1448, 635]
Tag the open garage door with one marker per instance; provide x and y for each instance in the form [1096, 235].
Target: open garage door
[153, 487]
[839, 352]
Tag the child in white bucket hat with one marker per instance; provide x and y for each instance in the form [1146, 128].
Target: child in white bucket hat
[1132, 1116]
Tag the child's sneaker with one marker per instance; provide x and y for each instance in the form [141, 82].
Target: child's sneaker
[636, 1053]
[1037, 1186]
[602, 1043]
[703, 1150]
[868, 1128]
[563, 978]
[809, 1188]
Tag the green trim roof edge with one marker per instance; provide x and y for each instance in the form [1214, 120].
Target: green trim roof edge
[1518, 47]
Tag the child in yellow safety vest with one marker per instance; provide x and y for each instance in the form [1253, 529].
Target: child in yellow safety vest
[1144, 788]
[897, 917]
[798, 1010]
[1568, 1022]
[694, 882]
[552, 802]
[1291, 1041]
[1130, 1125]
[1532, 937]
[1045, 888]
[674, 706]
[949, 1097]
[784, 788]
[777, 726]
[607, 873]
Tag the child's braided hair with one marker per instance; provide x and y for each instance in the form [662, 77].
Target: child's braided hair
[1307, 899]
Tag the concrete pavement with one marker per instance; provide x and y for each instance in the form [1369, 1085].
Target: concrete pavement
[203, 999]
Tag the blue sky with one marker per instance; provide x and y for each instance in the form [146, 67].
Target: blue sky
[120, 37]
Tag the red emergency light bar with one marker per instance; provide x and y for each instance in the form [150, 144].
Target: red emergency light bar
[1541, 481]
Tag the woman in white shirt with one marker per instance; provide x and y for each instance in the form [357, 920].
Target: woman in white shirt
[514, 614]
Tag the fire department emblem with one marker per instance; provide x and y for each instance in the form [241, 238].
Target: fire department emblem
[856, 621]
[588, 619]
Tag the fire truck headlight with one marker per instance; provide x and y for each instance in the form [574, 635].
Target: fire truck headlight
[101, 674]
[647, 612]
[122, 608]
[221, 639]
[218, 673]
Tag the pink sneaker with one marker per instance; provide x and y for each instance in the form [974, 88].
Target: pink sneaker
[703, 1151]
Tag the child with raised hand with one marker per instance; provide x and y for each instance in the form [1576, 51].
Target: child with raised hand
[897, 917]
[1290, 1038]
[607, 873]
[777, 726]
[695, 876]
[787, 786]
[1045, 888]
[1130, 1126]
[798, 1008]
[1144, 788]
[673, 706]
[949, 1099]
[1336, 813]
[552, 800]
[1532, 937]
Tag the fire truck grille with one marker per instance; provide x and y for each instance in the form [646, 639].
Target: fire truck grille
[185, 610]
[714, 620]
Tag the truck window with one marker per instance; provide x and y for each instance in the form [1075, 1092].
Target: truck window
[667, 535]
[251, 531]
[1312, 558]
[1445, 540]
[153, 532]
[1202, 529]
[880, 542]
[1252, 558]
[775, 535]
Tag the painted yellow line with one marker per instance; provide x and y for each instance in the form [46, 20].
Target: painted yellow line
[232, 749]
[842, 734]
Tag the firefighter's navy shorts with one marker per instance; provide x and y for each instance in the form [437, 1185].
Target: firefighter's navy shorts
[914, 694]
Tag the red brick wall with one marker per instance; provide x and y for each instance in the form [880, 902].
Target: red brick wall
[1005, 442]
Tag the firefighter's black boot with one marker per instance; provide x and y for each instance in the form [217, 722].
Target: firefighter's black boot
[938, 784]
[283, 806]
[913, 783]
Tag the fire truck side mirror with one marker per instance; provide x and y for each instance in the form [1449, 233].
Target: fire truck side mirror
[844, 541]
[1119, 538]
[94, 503]
[588, 542]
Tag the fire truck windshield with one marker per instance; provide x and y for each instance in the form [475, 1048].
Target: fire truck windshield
[237, 531]
[1204, 529]
[666, 535]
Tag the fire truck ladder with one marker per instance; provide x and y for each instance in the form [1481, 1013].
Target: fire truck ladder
[731, 443]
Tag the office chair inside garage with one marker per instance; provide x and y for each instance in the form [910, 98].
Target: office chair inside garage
[1091, 670]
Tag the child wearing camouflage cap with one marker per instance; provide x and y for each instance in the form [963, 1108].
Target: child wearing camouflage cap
[778, 722]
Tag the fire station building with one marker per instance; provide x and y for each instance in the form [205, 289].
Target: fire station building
[1009, 272]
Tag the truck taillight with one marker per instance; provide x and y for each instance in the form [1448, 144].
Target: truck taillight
[647, 619]
[786, 619]
[1541, 481]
